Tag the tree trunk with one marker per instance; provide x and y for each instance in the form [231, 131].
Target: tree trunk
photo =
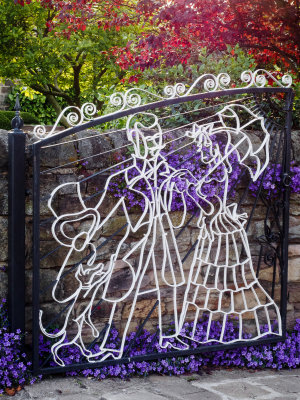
[52, 100]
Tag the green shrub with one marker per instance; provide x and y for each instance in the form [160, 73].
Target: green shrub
[5, 123]
[37, 106]
[28, 118]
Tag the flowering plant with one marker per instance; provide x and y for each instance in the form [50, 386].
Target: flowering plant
[270, 181]
[15, 367]
[189, 160]
[284, 354]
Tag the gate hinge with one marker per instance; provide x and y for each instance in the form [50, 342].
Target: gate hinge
[286, 180]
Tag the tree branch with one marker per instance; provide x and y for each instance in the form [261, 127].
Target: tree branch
[48, 92]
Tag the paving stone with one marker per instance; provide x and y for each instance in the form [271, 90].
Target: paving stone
[111, 385]
[220, 385]
[22, 395]
[199, 395]
[80, 396]
[286, 398]
[224, 375]
[137, 395]
[284, 384]
[168, 385]
[238, 390]
[53, 388]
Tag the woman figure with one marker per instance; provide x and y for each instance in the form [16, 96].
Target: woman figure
[222, 284]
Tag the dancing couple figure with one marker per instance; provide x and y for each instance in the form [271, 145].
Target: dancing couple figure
[220, 229]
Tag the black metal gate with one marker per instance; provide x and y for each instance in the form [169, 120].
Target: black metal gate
[164, 233]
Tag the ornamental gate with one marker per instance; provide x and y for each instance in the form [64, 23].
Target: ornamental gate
[164, 232]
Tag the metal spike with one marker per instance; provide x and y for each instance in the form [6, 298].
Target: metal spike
[17, 122]
[17, 106]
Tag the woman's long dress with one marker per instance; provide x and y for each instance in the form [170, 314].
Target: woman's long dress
[222, 284]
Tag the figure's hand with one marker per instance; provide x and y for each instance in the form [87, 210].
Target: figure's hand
[181, 181]
[91, 276]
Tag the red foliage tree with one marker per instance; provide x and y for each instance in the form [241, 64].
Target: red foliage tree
[268, 29]
[175, 30]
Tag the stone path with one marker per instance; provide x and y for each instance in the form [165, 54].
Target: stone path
[220, 385]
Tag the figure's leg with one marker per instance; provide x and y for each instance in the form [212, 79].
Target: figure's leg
[169, 324]
[107, 347]
[137, 291]
[169, 335]
[129, 299]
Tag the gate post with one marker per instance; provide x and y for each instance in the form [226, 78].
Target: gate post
[16, 223]
[288, 108]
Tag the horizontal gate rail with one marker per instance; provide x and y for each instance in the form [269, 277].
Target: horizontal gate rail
[158, 104]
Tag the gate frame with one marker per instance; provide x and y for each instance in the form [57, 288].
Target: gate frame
[17, 225]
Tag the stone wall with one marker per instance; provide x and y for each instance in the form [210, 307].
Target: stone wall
[67, 201]
[5, 89]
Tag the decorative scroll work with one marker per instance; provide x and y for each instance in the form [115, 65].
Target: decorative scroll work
[221, 268]
[132, 98]
[73, 115]
[135, 97]
[260, 77]
[204, 83]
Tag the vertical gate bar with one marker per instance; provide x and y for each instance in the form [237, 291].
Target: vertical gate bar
[286, 207]
[36, 260]
[16, 223]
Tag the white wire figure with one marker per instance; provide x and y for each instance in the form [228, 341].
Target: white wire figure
[222, 284]
[220, 230]
[97, 279]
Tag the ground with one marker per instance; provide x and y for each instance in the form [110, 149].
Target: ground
[218, 385]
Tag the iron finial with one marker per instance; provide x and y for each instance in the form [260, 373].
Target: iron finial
[17, 121]
[17, 106]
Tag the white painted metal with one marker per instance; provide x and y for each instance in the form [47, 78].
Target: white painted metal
[133, 97]
[219, 225]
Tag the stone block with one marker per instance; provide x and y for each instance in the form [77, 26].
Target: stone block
[294, 293]
[294, 250]
[142, 308]
[294, 230]
[4, 238]
[54, 255]
[5, 89]
[91, 144]
[47, 278]
[3, 282]
[296, 146]
[256, 229]
[294, 270]
[118, 138]
[291, 316]
[266, 274]
[51, 314]
[4, 147]
[294, 204]
[3, 193]
[58, 155]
